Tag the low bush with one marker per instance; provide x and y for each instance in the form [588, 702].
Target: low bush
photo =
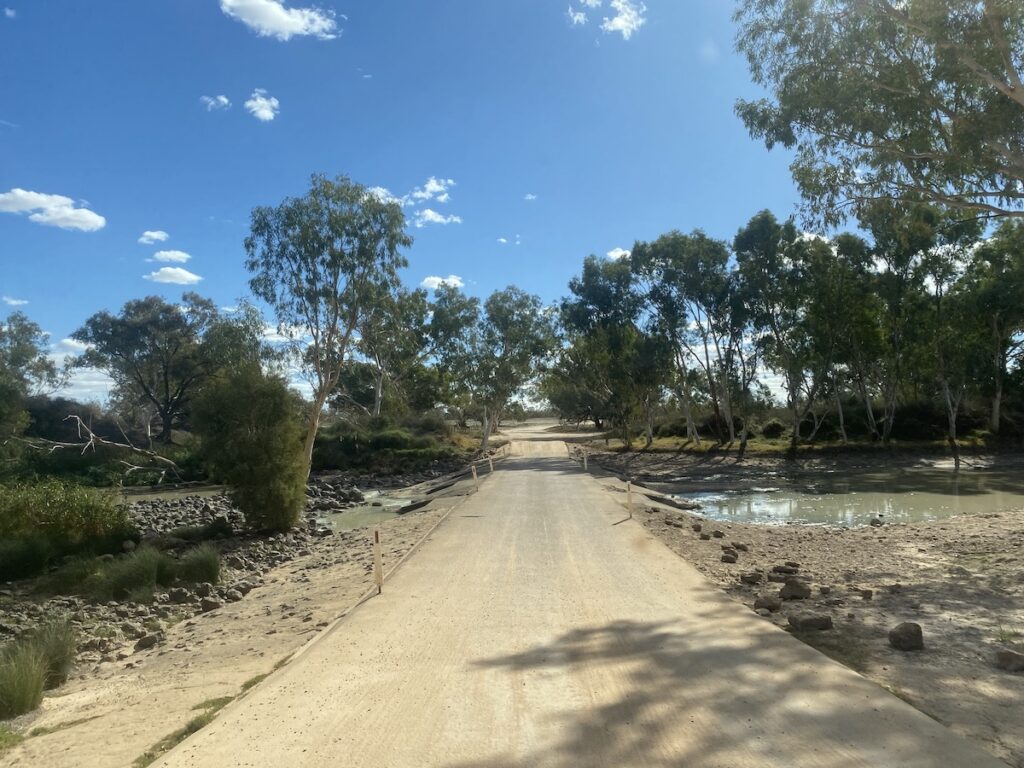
[134, 577]
[37, 661]
[773, 429]
[43, 522]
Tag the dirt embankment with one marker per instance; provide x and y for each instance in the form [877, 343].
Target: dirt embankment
[961, 579]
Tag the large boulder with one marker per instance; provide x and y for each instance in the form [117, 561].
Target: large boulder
[794, 589]
[810, 622]
[1008, 660]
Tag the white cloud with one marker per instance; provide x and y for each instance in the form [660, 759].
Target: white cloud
[383, 194]
[434, 282]
[215, 102]
[177, 257]
[51, 210]
[433, 189]
[10, 13]
[12, 302]
[709, 51]
[529, 197]
[576, 18]
[617, 253]
[173, 275]
[70, 346]
[430, 216]
[270, 18]
[591, 3]
[151, 236]
[503, 240]
[629, 17]
[262, 106]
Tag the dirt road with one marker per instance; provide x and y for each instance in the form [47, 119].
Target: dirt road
[538, 628]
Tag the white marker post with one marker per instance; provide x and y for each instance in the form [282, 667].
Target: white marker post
[378, 564]
[584, 459]
[491, 462]
[629, 498]
[476, 480]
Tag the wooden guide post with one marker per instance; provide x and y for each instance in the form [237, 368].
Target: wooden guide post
[584, 459]
[629, 498]
[491, 462]
[476, 480]
[378, 564]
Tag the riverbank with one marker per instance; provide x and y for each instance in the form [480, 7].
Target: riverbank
[959, 578]
[117, 708]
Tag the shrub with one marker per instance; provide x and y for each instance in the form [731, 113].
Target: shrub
[23, 672]
[429, 423]
[199, 565]
[251, 438]
[57, 642]
[773, 429]
[45, 521]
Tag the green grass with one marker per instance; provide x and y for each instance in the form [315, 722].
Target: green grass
[135, 577]
[37, 661]
[211, 707]
[1009, 636]
[9, 739]
[252, 682]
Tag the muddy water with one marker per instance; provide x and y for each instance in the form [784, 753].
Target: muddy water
[845, 498]
[379, 507]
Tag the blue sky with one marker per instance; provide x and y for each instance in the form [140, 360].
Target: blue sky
[561, 128]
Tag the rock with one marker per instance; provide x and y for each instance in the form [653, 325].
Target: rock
[763, 612]
[777, 578]
[1010, 661]
[875, 522]
[867, 594]
[825, 590]
[233, 595]
[208, 604]
[705, 537]
[148, 641]
[753, 577]
[768, 603]
[791, 564]
[179, 595]
[718, 534]
[785, 569]
[794, 589]
[907, 637]
[740, 546]
[128, 545]
[810, 622]
[696, 527]
[204, 590]
[728, 558]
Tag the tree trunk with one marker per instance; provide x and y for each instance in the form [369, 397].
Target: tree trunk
[311, 429]
[378, 394]
[691, 428]
[166, 427]
[869, 410]
[842, 417]
[952, 408]
[485, 425]
[997, 404]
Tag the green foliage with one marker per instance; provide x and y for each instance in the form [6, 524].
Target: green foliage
[381, 447]
[251, 438]
[773, 429]
[36, 661]
[42, 522]
[135, 576]
[890, 100]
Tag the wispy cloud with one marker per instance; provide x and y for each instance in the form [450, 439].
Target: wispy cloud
[213, 103]
[434, 282]
[262, 105]
[176, 257]
[529, 197]
[51, 210]
[10, 13]
[271, 18]
[618, 253]
[174, 276]
[709, 51]
[576, 17]
[12, 302]
[151, 236]
[503, 240]
[629, 17]
[429, 216]
[432, 189]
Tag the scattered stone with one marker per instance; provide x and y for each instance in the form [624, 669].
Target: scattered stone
[233, 596]
[728, 558]
[179, 595]
[696, 527]
[1009, 661]
[763, 612]
[740, 546]
[867, 594]
[705, 537]
[778, 578]
[718, 534]
[794, 589]
[148, 641]
[825, 590]
[791, 564]
[208, 604]
[907, 637]
[768, 603]
[752, 577]
[128, 545]
[810, 622]
[876, 522]
[785, 569]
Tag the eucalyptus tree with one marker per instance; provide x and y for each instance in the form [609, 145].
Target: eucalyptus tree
[321, 261]
[996, 287]
[891, 99]
[159, 353]
[25, 369]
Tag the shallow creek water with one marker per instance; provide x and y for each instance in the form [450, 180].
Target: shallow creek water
[853, 498]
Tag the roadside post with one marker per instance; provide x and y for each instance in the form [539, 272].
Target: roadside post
[490, 461]
[629, 498]
[378, 564]
[476, 480]
[584, 459]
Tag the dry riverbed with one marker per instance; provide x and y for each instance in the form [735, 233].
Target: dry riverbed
[961, 579]
[121, 704]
